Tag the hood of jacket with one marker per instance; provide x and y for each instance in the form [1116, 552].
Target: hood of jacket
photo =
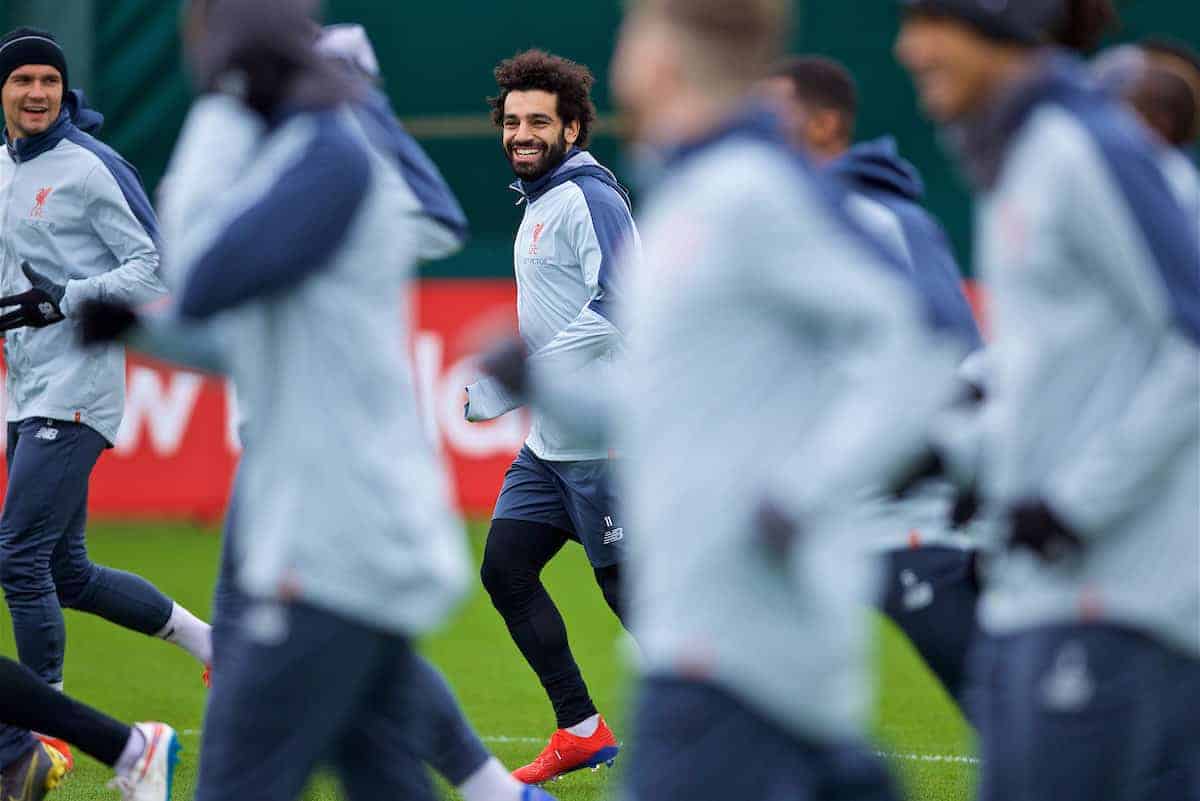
[878, 165]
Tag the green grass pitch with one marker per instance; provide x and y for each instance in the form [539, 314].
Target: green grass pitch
[138, 678]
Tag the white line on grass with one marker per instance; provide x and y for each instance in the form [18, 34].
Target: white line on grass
[961, 760]
[507, 739]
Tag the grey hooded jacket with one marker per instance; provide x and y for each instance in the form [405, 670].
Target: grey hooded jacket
[75, 210]
[1094, 397]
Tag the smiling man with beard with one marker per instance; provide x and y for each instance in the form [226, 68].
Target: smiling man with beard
[577, 219]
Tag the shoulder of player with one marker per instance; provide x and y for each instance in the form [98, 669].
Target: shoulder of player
[743, 176]
[576, 200]
[1052, 147]
[93, 160]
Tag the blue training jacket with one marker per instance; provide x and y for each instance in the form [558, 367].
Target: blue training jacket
[886, 193]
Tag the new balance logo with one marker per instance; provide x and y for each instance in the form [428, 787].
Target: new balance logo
[47, 433]
[613, 535]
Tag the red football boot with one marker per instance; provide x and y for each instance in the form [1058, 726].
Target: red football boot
[567, 752]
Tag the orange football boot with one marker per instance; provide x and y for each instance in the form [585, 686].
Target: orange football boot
[567, 752]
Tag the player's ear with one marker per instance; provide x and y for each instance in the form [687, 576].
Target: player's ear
[571, 132]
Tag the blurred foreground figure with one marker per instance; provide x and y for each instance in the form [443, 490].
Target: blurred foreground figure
[406, 198]
[1089, 677]
[930, 588]
[773, 372]
[298, 255]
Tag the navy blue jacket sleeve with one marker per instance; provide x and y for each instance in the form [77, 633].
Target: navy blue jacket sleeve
[419, 171]
[291, 232]
[613, 223]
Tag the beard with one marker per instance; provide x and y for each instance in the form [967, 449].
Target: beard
[552, 156]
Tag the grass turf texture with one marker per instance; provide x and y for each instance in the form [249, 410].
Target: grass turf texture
[137, 678]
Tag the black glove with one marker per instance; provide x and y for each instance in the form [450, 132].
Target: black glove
[966, 507]
[101, 322]
[776, 529]
[1036, 527]
[508, 363]
[38, 307]
[927, 466]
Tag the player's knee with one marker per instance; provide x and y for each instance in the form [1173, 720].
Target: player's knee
[71, 583]
[506, 572]
[501, 577]
[609, 579]
[11, 573]
[22, 576]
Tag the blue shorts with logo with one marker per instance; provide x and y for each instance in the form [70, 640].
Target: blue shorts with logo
[576, 497]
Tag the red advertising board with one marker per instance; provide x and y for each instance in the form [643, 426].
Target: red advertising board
[177, 447]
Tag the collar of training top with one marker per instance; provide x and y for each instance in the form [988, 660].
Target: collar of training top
[984, 141]
[532, 190]
[755, 122]
[878, 165]
[577, 164]
[1127, 153]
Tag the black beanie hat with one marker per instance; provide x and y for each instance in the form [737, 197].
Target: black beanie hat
[23, 46]
[1026, 22]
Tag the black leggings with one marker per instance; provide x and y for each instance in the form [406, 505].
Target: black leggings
[30, 703]
[516, 552]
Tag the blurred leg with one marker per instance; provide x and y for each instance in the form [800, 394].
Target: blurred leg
[932, 596]
[371, 762]
[289, 689]
[28, 702]
[1071, 721]
[693, 742]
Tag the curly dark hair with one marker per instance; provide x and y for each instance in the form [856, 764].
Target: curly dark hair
[570, 82]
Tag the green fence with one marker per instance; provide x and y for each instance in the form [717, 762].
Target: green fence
[438, 59]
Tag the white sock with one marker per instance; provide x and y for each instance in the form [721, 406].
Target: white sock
[132, 753]
[188, 632]
[586, 727]
[492, 782]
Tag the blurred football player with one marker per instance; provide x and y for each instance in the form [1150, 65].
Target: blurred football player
[434, 728]
[931, 587]
[778, 366]
[1089, 676]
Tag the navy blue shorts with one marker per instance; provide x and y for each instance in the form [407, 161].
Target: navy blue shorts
[696, 742]
[576, 497]
[931, 593]
[1085, 713]
[299, 687]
